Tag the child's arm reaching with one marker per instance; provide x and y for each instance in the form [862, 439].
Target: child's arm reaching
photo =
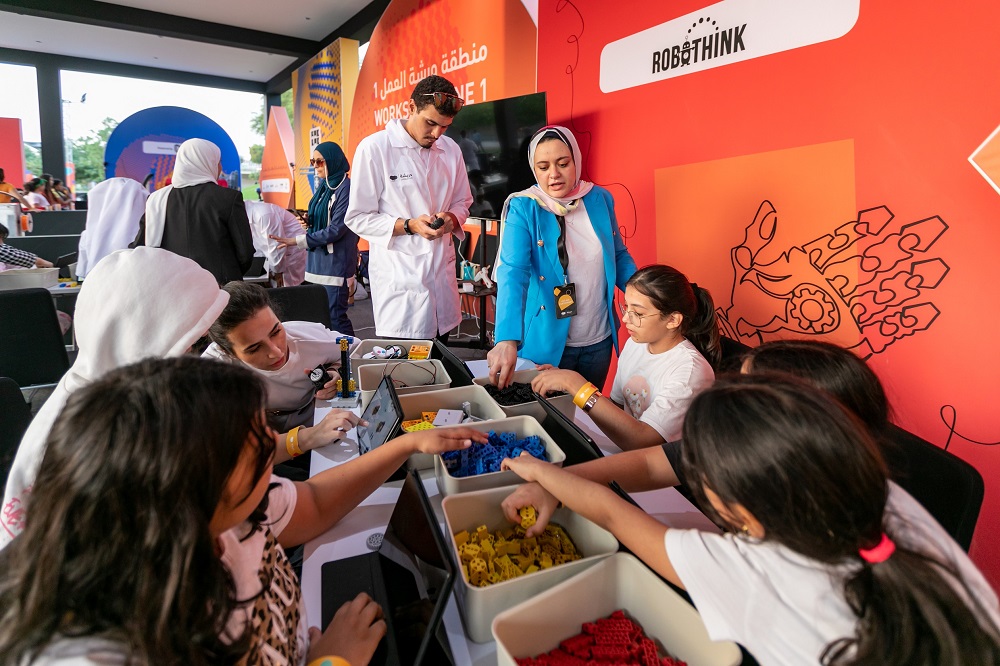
[326, 498]
[635, 471]
[626, 432]
[640, 532]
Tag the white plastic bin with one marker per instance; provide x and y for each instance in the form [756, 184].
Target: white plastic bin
[25, 278]
[415, 404]
[522, 426]
[619, 582]
[367, 345]
[479, 605]
[564, 403]
[418, 376]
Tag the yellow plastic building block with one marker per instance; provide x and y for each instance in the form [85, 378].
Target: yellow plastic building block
[492, 557]
[470, 551]
[428, 416]
[528, 516]
[418, 352]
[422, 425]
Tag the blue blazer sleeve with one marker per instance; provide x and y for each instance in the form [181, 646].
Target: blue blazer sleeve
[624, 263]
[336, 229]
[514, 272]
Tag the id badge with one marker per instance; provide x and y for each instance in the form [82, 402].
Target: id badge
[565, 300]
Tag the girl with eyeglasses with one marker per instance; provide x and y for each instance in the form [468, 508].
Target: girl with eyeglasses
[673, 347]
[333, 248]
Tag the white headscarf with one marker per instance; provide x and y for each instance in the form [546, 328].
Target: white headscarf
[197, 162]
[559, 206]
[114, 207]
[135, 304]
[555, 205]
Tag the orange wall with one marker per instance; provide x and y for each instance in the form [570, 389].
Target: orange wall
[882, 119]
[11, 151]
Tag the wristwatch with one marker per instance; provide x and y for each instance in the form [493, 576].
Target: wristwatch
[591, 401]
[406, 227]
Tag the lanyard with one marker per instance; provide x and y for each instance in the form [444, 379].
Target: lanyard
[561, 248]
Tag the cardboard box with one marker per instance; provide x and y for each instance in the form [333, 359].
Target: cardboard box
[522, 426]
[618, 582]
[415, 404]
[564, 403]
[478, 606]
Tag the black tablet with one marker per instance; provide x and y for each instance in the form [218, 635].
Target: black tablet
[383, 415]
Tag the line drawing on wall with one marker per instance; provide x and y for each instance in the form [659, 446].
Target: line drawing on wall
[871, 278]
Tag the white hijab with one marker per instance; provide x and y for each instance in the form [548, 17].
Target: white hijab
[135, 304]
[114, 207]
[559, 206]
[197, 162]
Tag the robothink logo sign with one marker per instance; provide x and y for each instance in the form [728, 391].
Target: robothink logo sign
[721, 34]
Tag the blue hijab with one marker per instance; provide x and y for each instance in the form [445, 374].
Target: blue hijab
[336, 168]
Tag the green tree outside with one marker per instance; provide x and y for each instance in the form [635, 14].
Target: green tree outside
[88, 155]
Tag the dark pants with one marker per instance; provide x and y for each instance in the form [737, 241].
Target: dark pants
[338, 308]
[591, 361]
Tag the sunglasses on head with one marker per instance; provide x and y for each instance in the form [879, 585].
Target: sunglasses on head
[316, 161]
[443, 101]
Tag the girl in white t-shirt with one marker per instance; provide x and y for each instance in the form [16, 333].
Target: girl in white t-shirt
[156, 532]
[673, 345]
[828, 561]
[249, 333]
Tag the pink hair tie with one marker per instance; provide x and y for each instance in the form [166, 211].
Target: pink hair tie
[879, 553]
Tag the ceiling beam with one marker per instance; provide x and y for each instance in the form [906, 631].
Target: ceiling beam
[120, 17]
[35, 59]
[359, 27]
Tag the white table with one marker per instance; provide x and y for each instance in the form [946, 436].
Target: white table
[347, 538]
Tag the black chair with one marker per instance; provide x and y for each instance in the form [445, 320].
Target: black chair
[732, 354]
[32, 352]
[948, 487]
[15, 415]
[304, 302]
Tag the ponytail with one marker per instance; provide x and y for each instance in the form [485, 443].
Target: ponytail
[703, 329]
[670, 291]
[914, 610]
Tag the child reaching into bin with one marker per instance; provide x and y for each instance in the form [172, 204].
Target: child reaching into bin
[673, 345]
[157, 534]
[827, 560]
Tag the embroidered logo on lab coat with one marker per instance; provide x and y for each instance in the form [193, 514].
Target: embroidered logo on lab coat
[402, 176]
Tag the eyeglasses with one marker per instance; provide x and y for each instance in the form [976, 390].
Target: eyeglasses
[446, 101]
[316, 161]
[632, 317]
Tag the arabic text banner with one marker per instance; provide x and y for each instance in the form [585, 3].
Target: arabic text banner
[486, 48]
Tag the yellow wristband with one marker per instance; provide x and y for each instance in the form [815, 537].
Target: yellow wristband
[329, 661]
[584, 394]
[292, 443]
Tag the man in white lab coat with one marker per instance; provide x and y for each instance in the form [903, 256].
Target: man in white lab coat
[405, 177]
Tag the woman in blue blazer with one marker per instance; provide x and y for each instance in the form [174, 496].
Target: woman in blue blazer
[561, 256]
